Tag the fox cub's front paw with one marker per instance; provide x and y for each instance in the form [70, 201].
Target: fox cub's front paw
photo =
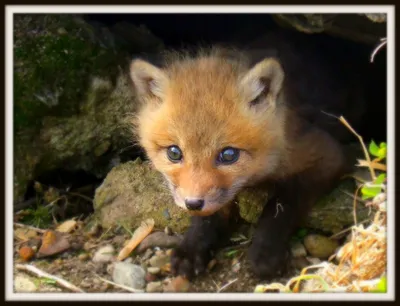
[189, 260]
[268, 262]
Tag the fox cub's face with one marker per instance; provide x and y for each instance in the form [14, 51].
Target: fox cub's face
[210, 126]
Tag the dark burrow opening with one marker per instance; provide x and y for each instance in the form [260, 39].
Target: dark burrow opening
[182, 30]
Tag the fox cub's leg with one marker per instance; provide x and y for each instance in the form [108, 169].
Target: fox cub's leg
[294, 196]
[203, 237]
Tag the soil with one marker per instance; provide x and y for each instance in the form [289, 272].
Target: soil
[76, 266]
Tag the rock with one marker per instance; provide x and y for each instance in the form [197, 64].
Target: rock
[178, 284]
[332, 213]
[154, 287]
[153, 270]
[130, 275]
[320, 246]
[300, 262]
[26, 253]
[150, 277]
[365, 28]
[313, 260]
[66, 82]
[159, 239]
[83, 256]
[298, 250]
[147, 254]
[23, 284]
[104, 254]
[133, 192]
[159, 261]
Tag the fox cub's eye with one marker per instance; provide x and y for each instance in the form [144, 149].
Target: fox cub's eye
[174, 154]
[228, 156]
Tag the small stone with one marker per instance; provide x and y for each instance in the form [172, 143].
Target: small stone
[169, 252]
[150, 277]
[300, 262]
[23, 284]
[154, 287]
[320, 246]
[159, 261]
[168, 231]
[110, 268]
[87, 246]
[147, 254]
[313, 260]
[178, 284]
[211, 264]
[104, 254]
[83, 256]
[153, 270]
[298, 250]
[130, 275]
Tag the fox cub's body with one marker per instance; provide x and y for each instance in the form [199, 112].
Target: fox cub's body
[216, 122]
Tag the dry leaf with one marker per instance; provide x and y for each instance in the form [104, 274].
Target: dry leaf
[53, 243]
[140, 233]
[67, 226]
[25, 234]
[26, 253]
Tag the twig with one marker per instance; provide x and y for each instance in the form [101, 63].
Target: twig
[384, 42]
[367, 157]
[120, 286]
[372, 164]
[353, 196]
[40, 273]
[29, 227]
[227, 285]
[346, 124]
[347, 229]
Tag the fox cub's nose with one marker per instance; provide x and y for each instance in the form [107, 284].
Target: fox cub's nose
[194, 204]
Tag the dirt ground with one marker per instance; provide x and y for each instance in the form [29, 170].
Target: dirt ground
[231, 273]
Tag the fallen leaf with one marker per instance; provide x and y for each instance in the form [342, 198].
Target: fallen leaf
[25, 234]
[53, 243]
[67, 226]
[140, 233]
[26, 253]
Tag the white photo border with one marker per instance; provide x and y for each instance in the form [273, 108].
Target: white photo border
[78, 9]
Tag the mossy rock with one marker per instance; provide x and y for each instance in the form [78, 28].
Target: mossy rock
[331, 214]
[133, 192]
[71, 94]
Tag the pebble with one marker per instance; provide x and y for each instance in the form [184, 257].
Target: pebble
[129, 260]
[153, 270]
[159, 261]
[300, 262]
[320, 246]
[178, 284]
[298, 250]
[154, 287]
[147, 254]
[130, 275]
[23, 284]
[313, 260]
[83, 256]
[150, 277]
[104, 254]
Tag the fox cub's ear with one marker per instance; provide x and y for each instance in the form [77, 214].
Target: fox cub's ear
[262, 83]
[148, 79]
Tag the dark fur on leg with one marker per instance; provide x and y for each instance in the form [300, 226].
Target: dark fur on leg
[204, 236]
[296, 195]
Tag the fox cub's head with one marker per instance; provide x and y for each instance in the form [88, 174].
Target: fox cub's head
[210, 125]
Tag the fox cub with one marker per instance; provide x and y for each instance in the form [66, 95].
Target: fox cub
[220, 120]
